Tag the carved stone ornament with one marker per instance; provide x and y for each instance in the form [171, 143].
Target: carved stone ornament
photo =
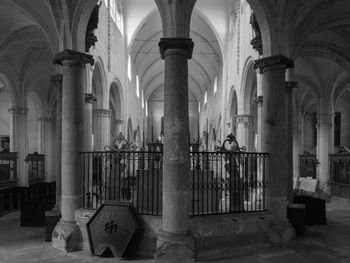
[291, 84]
[89, 98]
[73, 58]
[269, 62]
[56, 79]
[176, 46]
[259, 101]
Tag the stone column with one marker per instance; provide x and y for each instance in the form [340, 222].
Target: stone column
[259, 104]
[325, 145]
[290, 86]
[18, 141]
[118, 126]
[66, 235]
[174, 243]
[102, 120]
[89, 99]
[243, 126]
[275, 142]
[56, 82]
[45, 129]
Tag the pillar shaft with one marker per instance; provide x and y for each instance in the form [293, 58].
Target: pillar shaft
[56, 81]
[290, 85]
[66, 236]
[176, 177]
[324, 148]
[45, 131]
[275, 133]
[102, 120]
[243, 126]
[18, 141]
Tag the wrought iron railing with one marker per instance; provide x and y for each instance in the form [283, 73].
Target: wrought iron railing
[307, 165]
[340, 175]
[36, 168]
[8, 169]
[221, 182]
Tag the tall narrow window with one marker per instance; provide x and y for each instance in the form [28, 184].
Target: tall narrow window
[215, 84]
[205, 97]
[143, 100]
[146, 108]
[199, 106]
[129, 68]
[137, 86]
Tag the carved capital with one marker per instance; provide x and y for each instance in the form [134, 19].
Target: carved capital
[56, 80]
[89, 98]
[273, 62]
[18, 110]
[45, 119]
[176, 46]
[73, 58]
[291, 85]
[102, 112]
[244, 119]
[259, 101]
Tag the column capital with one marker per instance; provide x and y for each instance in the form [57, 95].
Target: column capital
[176, 46]
[259, 101]
[273, 62]
[102, 112]
[118, 121]
[45, 119]
[73, 58]
[244, 119]
[18, 110]
[291, 85]
[56, 80]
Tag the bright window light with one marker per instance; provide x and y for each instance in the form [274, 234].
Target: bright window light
[205, 97]
[143, 100]
[215, 84]
[137, 86]
[199, 106]
[146, 108]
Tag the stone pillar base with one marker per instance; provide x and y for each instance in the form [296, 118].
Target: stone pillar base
[281, 233]
[174, 248]
[67, 237]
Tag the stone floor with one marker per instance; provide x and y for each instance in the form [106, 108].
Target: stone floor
[321, 243]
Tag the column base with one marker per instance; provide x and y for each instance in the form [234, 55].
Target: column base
[280, 229]
[281, 233]
[174, 248]
[67, 237]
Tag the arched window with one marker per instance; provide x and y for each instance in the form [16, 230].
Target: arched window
[215, 84]
[137, 86]
[116, 13]
[129, 68]
[205, 97]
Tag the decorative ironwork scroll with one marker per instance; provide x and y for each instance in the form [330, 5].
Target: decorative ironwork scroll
[233, 145]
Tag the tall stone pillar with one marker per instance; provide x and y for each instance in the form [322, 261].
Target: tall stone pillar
[18, 141]
[325, 145]
[174, 243]
[45, 131]
[89, 98]
[275, 142]
[290, 86]
[102, 121]
[56, 82]
[66, 235]
[118, 126]
[243, 126]
[259, 104]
